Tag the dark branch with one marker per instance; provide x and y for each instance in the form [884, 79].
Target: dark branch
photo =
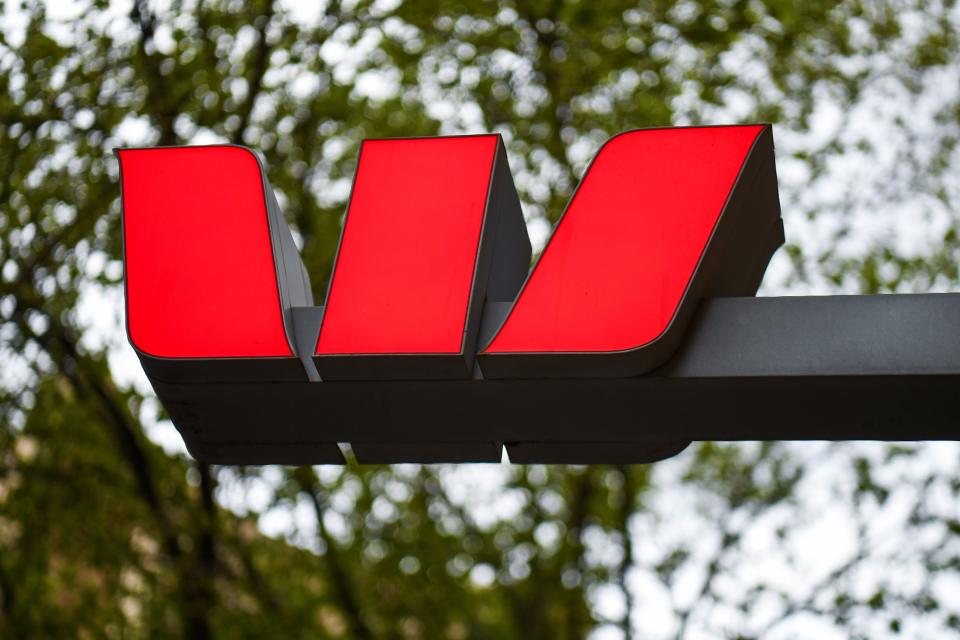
[626, 510]
[310, 486]
[7, 601]
[165, 106]
[81, 372]
[255, 79]
[579, 511]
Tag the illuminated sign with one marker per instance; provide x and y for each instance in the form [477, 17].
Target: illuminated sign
[437, 340]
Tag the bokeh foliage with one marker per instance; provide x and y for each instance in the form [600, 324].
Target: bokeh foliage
[103, 533]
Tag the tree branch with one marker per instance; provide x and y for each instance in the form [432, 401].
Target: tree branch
[255, 81]
[310, 486]
[165, 110]
[207, 535]
[80, 372]
[626, 510]
[7, 602]
[578, 514]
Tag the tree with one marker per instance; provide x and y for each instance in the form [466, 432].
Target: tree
[103, 532]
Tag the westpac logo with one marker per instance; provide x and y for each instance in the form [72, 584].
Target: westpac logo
[432, 278]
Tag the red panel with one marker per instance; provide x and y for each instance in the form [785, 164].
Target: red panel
[404, 272]
[201, 281]
[619, 261]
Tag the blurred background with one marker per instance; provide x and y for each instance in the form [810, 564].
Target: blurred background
[109, 530]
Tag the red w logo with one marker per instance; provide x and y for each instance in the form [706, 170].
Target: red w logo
[431, 276]
[457, 350]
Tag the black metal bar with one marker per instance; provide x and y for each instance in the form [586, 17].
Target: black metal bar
[838, 368]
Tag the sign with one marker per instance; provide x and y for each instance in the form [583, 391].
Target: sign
[631, 334]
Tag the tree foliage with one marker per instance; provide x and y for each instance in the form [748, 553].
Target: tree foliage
[106, 533]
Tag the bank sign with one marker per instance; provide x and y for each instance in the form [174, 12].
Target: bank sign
[634, 332]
